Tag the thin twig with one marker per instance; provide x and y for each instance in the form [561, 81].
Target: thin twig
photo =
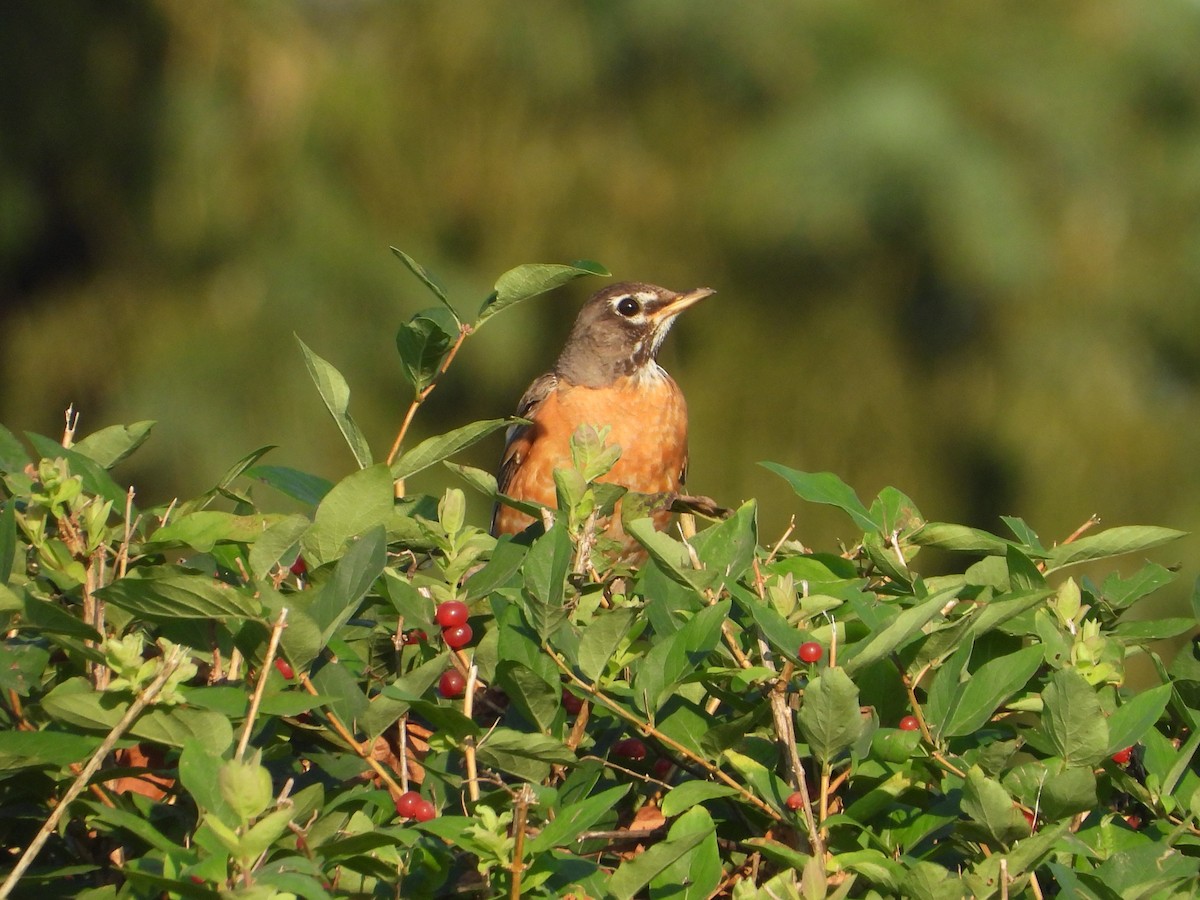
[469, 742]
[463, 331]
[520, 819]
[649, 730]
[344, 733]
[72, 417]
[169, 664]
[261, 686]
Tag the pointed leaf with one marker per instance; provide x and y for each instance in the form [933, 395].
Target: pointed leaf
[946, 536]
[987, 803]
[989, 687]
[427, 278]
[13, 457]
[528, 281]
[308, 489]
[110, 445]
[827, 488]
[335, 393]
[167, 593]
[423, 342]
[1113, 542]
[898, 632]
[435, 449]
[1132, 719]
[1073, 719]
[829, 716]
[635, 873]
[728, 547]
[571, 821]
[356, 503]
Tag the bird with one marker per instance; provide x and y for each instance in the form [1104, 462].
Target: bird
[607, 376]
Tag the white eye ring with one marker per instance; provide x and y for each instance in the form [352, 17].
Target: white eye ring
[628, 307]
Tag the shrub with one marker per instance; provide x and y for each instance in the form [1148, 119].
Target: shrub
[200, 700]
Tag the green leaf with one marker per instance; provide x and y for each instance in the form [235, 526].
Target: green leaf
[110, 445]
[358, 502]
[775, 628]
[525, 282]
[698, 870]
[139, 827]
[1113, 542]
[989, 687]
[829, 716]
[684, 796]
[279, 538]
[897, 632]
[335, 393]
[164, 592]
[987, 803]
[670, 555]
[427, 278]
[507, 557]
[95, 479]
[1132, 719]
[728, 547]
[37, 749]
[1121, 592]
[827, 488]
[571, 821]
[635, 873]
[960, 538]
[435, 449]
[1068, 791]
[422, 343]
[8, 541]
[1023, 573]
[204, 529]
[13, 457]
[522, 754]
[1073, 719]
[356, 571]
[672, 659]
[529, 691]
[308, 489]
[600, 640]
[76, 703]
[546, 567]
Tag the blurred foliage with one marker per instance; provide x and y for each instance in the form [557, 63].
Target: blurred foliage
[957, 248]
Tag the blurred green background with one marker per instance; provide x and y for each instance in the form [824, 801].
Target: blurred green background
[957, 246]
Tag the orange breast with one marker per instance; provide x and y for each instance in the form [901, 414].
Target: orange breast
[647, 419]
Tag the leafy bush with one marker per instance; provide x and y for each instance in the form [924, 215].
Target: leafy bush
[374, 698]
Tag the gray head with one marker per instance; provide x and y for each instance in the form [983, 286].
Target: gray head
[619, 330]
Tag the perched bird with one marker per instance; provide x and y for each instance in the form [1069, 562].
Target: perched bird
[606, 375]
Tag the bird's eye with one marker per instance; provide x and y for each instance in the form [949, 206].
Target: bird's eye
[628, 307]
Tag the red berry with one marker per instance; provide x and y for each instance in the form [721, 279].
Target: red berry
[571, 703]
[299, 568]
[285, 668]
[811, 652]
[450, 613]
[909, 723]
[1122, 757]
[424, 811]
[630, 748]
[195, 879]
[406, 804]
[451, 684]
[794, 801]
[457, 636]
[662, 767]
[1134, 821]
[416, 636]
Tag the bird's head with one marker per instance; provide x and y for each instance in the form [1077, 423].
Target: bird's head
[619, 330]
